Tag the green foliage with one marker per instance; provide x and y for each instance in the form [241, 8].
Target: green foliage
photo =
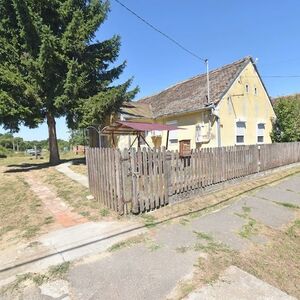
[51, 65]
[4, 152]
[9, 143]
[78, 137]
[286, 128]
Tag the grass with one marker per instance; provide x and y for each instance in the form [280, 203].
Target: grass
[203, 236]
[104, 212]
[249, 229]
[54, 272]
[75, 195]
[127, 243]
[21, 213]
[294, 230]
[184, 221]
[276, 262]
[288, 205]
[59, 271]
[80, 168]
[149, 220]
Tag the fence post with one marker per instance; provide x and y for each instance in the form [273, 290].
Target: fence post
[135, 204]
[126, 180]
[118, 165]
[167, 160]
[258, 158]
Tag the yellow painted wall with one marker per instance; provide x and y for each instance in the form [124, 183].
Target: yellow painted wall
[237, 104]
[187, 123]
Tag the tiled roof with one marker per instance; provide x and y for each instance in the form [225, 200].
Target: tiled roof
[136, 110]
[191, 95]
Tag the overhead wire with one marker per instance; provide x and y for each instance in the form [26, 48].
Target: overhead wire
[161, 32]
[178, 44]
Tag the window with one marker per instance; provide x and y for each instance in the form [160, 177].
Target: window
[173, 134]
[240, 132]
[255, 91]
[260, 132]
[247, 88]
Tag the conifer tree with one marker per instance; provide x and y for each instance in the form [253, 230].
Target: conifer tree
[52, 66]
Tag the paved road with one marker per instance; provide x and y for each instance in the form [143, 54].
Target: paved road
[150, 270]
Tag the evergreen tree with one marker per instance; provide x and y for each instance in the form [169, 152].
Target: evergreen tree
[52, 66]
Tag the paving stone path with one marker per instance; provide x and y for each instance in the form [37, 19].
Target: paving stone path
[79, 178]
[61, 212]
[151, 270]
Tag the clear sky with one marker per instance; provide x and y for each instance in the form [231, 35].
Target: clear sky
[221, 30]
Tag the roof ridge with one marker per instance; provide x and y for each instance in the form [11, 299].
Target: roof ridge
[198, 76]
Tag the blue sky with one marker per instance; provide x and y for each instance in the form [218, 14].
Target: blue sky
[222, 31]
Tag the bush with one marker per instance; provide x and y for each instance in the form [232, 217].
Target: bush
[4, 152]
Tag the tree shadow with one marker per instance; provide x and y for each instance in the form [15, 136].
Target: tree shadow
[26, 167]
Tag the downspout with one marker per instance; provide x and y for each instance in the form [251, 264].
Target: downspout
[215, 113]
[219, 131]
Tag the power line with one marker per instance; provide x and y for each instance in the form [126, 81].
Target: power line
[161, 32]
[276, 76]
[282, 76]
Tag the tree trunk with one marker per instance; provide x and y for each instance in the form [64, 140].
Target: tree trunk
[53, 146]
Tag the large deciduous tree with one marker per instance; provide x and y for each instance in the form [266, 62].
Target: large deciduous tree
[286, 127]
[51, 65]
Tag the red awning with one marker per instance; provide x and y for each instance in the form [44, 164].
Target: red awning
[126, 127]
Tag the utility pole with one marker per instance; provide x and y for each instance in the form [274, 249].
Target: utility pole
[207, 79]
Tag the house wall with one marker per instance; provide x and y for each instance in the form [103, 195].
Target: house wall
[187, 123]
[237, 104]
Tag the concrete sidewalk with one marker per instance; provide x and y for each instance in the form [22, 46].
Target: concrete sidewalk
[63, 245]
[80, 178]
[235, 284]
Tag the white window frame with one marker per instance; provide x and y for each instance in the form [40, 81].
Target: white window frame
[173, 132]
[257, 132]
[236, 131]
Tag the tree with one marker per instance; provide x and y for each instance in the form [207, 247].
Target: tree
[52, 66]
[286, 127]
[77, 137]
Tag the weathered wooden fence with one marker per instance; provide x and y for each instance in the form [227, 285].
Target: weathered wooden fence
[142, 180]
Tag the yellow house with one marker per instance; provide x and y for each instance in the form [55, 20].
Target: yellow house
[239, 111]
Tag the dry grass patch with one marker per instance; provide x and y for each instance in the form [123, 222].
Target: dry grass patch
[21, 212]
[81, 169]
[128, 243]
[276, 262]
[53, 273]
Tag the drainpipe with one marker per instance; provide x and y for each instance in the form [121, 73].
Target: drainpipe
[219, 131]
[215, 112]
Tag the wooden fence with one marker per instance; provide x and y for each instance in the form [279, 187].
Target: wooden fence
[142, 180]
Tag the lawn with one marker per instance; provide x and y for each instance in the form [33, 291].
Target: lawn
[21, 213]
[22, 216]
[79, 168]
